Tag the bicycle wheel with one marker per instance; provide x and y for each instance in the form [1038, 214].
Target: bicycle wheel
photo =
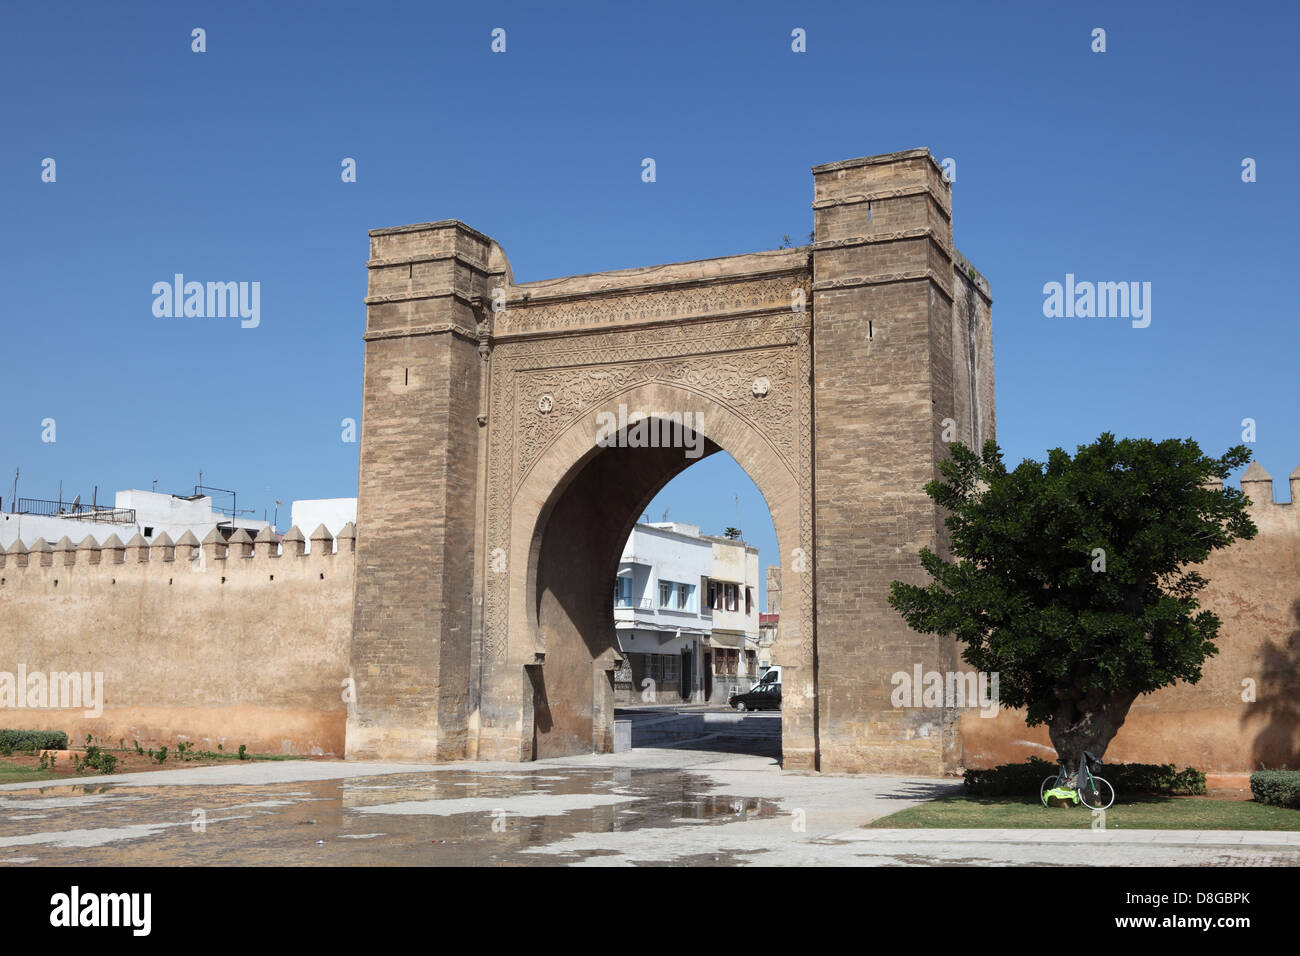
[1097, 794]
[1047, 784]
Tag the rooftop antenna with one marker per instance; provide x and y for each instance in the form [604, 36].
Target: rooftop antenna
[665, 517]
[736, 498]
[13, 502]
[155, 485]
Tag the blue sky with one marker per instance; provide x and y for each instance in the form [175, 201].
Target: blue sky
[1116, 166]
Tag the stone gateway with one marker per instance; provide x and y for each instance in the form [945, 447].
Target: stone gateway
[493, 506]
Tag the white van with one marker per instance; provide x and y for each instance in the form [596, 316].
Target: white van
[771, 676]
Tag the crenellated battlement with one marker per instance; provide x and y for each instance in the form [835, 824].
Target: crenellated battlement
[1271, 517]
[65, 563]
[217, 641]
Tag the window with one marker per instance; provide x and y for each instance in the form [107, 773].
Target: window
[676, 596]
[623, 592]
[732, 596]
[671, 667]
[749, 600]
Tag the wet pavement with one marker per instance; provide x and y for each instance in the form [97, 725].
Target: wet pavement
[428, 817]
[652, 806]
[702, 804]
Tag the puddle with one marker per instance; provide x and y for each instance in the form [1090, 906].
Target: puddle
[442, 817]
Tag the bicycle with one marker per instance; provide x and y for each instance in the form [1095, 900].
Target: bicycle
[1092, 791]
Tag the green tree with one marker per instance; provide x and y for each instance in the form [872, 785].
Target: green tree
[732, 533]
[1074, 578]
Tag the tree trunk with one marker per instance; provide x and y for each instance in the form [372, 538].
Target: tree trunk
[1087, 724]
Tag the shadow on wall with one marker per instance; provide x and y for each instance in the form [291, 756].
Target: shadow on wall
[541, 708]
[1276, 743]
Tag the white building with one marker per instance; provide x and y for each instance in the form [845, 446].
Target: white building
[734, 641]
[147, 513]
[310, 513]
[686, 616]
[661, 619]
[151, 513]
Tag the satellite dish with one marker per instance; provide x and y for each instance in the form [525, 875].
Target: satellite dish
[76, 502]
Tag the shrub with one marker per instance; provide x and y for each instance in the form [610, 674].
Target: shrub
[243, 752]
[161, 756]
[1154, 778]
[1281, 788]
[32, 740]
[96, 758]
[1025, 778]
[1009, 778]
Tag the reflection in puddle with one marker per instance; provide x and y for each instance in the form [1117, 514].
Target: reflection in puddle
[443, 817]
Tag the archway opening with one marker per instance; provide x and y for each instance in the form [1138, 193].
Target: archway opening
[650, 628]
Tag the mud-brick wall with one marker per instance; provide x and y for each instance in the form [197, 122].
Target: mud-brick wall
[244, 642]
[1212, 725]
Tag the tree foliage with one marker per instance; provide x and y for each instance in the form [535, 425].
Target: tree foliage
[1074, 578]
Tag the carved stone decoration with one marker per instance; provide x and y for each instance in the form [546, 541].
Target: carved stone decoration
[587, 391]
[545, 404]
[761, 387]
[722, 358]
[803, 380]
[723, 297]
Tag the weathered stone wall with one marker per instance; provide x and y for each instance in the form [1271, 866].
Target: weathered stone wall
[482, 622]
[1255, 590]
[214, 645]
[902, 341]
[414, 609]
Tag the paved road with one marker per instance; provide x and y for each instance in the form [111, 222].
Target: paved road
[678, 805]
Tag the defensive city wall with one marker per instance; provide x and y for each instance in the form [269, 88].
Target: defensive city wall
[232, 642]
